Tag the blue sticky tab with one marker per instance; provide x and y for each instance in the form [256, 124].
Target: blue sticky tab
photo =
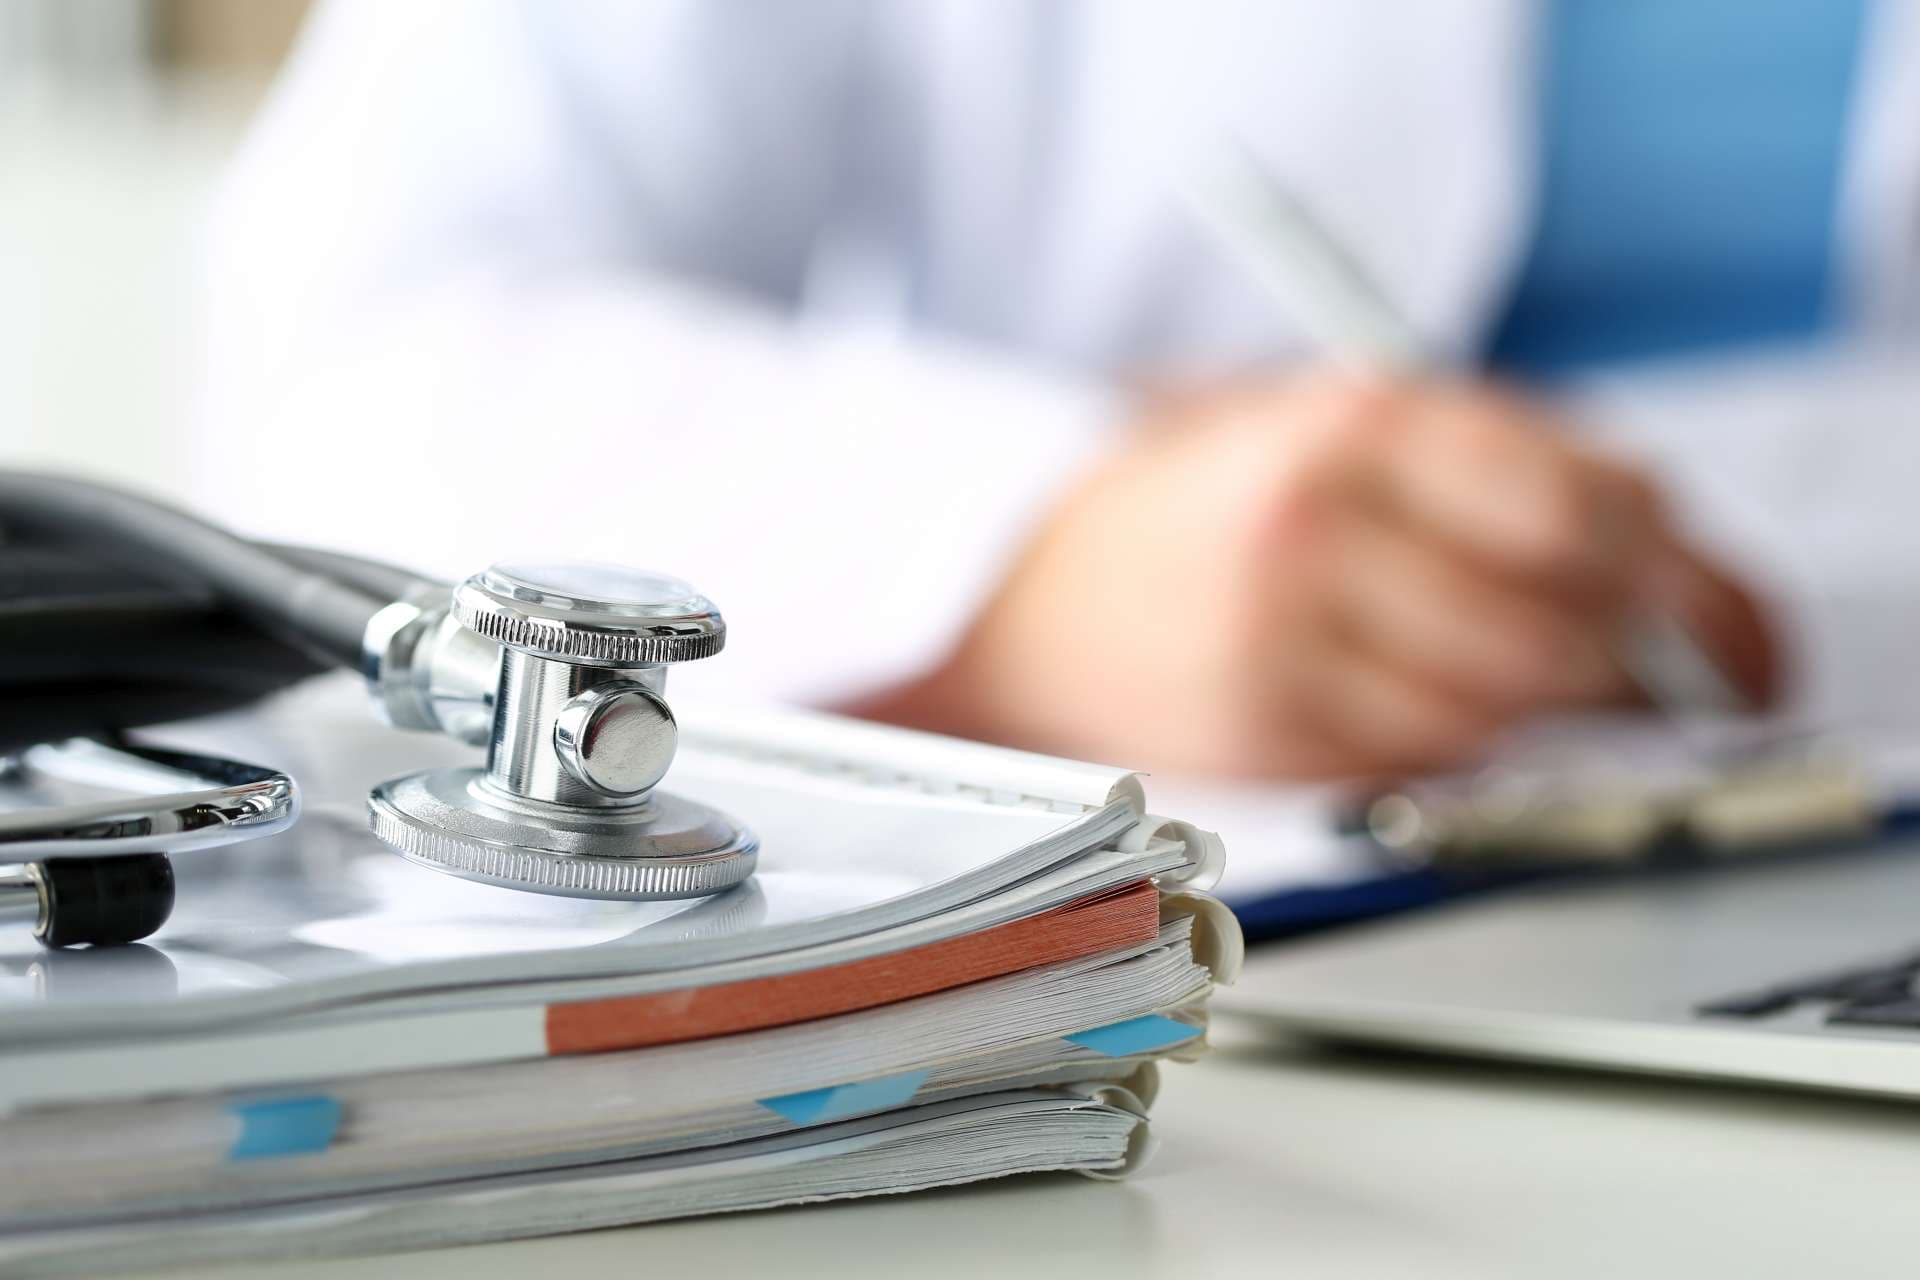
[1135, 1035]
[815, 1106]
[284, 1127]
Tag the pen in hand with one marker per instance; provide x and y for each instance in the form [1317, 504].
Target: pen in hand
[1269, 232]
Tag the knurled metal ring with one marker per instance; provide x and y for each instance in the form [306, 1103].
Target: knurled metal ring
[669, 847]
[625, 642]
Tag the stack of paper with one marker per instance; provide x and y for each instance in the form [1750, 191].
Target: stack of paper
[954, 963]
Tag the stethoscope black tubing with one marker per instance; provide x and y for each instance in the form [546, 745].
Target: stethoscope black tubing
[118, 612]
[312, 610]
[383, 581]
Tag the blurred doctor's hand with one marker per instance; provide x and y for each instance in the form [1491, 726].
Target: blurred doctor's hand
[1323, 576]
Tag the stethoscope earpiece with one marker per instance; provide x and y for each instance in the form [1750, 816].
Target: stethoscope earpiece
[97, 902]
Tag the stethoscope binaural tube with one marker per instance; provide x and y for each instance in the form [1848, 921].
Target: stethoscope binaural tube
[101, 631]
[314, 601]
[98, 873]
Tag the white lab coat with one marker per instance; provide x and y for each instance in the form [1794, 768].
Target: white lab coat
[818, 304]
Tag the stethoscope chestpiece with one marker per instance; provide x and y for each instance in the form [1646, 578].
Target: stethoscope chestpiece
[581, 737]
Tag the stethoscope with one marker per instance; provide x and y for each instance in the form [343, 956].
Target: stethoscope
[557, 669]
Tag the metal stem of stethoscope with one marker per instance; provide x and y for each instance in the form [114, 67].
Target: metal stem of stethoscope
[20, 901]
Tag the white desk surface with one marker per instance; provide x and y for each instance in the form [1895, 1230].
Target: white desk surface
[1278, 1160]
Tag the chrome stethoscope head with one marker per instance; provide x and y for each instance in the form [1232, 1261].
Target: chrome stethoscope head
[559, 670]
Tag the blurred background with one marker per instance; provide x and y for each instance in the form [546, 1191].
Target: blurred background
[116, 117]
[469, 233]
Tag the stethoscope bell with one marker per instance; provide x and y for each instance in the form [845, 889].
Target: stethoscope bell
[580, 737]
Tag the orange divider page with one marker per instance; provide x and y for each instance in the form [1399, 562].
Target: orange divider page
[1122, 917]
